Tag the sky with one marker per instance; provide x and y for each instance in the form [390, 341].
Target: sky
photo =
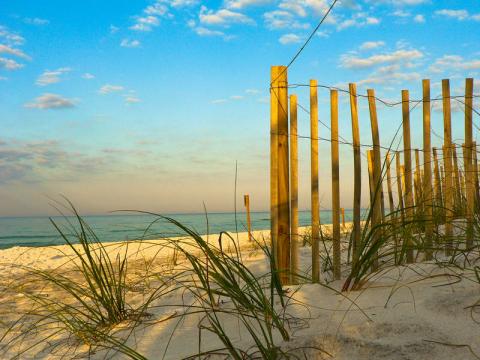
[153, 105]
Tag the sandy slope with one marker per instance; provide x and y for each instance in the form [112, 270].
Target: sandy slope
[404, 313]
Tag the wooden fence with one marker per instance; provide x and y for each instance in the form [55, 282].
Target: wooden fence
[423, 189]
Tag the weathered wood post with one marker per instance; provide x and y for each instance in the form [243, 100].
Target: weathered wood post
[399, 185]
[468, 166]
[314, 181]
[377, 213]
[274, 110]
[447, 161]
[357, 174]
[335, 184]
[295, 238]
[280, 93]
[389, 185]
[407, 156]
[246, 201]
[427, 170]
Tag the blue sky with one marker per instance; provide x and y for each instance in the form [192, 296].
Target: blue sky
[148, 104]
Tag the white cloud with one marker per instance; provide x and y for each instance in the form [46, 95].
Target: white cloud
[3, 78]
[51, 101]
[51, 77]
[4, 49]
[456, 14]
[240, 4]
[419, 18]
[9, 37]
[359, 19]
[236, 97]
[281, 19]
[131, 99]
[252, 91]
[454, 62]
[222, 17]
[369, 45]
[219, 101]
[88, 76]
[157, 9]
[9, 64]
[351, 61]
[108, 89]
[145, 23]
[202, 31]
[130, 43]
[113, 29]
[36, 21]
[289, 39]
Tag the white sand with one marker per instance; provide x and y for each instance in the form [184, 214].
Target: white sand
[405, 312]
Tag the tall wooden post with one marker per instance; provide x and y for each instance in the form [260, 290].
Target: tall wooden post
[357, 174]
[377, 213]
[314, 181]
[274, 111]
[427, 170]
[246, 201]
[295, 238]
[335, 184]
[447, 160]
[408, 166]
[280, 92]
[469, 176]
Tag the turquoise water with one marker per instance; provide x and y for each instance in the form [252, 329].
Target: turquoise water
[38, 231]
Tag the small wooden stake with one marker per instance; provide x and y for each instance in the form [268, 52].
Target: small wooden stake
[408, 166]
[246, 201]
[389, 185]
[456, 182]
[357, 174]
[295, 238]
[342, 211]
[314, 181]
[399, 185]
[335, 184]
[437, 182]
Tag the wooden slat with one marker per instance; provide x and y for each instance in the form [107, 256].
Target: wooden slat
[399, 185]
[246, 201]
[274, 104]
[314, 181]
[335, 183]
[357, 174]
[427, 170]
[456, 182]
[408, 166]
[389, 185]
[447, 163]
[468, 166]
[283, 249]
[295, 238]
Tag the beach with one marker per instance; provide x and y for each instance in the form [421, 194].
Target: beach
[407, 312]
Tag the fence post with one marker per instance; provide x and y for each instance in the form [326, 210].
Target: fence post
[389, 185]
[408, 166]
[314, 181]
[294, 188]
[447, 160]
[274, 105]
[468, 168]
[335, 184]
[456, 181]
[427, 170]
[377, 213]
[246, 201]
[438, 183]
[399, 185]
[475, 175]
[357, 174]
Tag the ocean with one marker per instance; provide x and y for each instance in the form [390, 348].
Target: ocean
[39, 231]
